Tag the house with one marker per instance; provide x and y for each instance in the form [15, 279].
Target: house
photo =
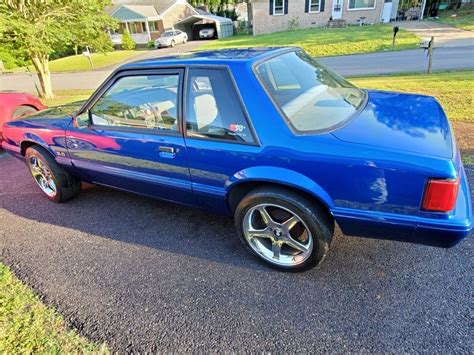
[146, 20]
[278, 15]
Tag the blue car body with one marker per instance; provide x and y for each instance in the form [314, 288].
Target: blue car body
[370, 173]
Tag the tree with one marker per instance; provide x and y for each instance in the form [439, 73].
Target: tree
[127, 41]
[40, 27]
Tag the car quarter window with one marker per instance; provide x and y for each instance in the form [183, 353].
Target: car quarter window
[140, 101]
[213, 108]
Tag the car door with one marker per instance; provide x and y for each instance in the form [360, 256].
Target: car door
[129, 136]
[219, 135]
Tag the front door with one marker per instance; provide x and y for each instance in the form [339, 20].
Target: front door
[130, 136]
[337, 9]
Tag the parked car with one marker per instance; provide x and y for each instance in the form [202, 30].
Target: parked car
[171, 38]
[268, 136]
[206, 33]
[15, 105]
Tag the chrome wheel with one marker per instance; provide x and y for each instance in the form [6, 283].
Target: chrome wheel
[43, 176]
[277, 234]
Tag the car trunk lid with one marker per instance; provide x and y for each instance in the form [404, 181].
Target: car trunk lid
[413, 123]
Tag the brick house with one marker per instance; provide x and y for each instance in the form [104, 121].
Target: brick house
[146, 20]
[275, 15]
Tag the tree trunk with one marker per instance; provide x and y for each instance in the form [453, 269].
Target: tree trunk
[41, 64]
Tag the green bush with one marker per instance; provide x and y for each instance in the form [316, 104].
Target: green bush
[12, 58]
[150, 44]
[127, 41]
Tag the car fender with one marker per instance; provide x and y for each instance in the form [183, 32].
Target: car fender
[280, 176]
[33, 138]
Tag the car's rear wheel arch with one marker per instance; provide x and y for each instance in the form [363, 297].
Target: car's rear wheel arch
[238, 192]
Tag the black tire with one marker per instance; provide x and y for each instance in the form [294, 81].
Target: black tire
[67, 186]
[22, 111]
[316, 220]
[173, 43]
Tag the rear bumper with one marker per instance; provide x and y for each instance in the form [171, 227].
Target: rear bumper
[442, 230]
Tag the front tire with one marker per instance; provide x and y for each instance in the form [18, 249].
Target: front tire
[283, 229]
[52, 180]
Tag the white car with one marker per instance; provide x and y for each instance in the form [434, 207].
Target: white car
[206, 33]
[171, 38]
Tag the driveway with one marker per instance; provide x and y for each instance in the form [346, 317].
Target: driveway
[144, 275]
[445, 35]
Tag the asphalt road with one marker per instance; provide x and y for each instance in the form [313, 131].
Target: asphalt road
[400, 62]
[350, 65]
[142, 275]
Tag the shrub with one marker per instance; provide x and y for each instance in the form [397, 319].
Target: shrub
[150, 44]
[127, 41]
[294, 23]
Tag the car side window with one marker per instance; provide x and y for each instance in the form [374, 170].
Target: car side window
[141, 101]
[213, 108]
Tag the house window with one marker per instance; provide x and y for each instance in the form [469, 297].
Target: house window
[278, 7]
[153, 26]
[361, 4]
[313, 5]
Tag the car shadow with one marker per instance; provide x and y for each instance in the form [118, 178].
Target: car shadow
[125, 217]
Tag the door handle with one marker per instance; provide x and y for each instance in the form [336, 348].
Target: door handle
[166, 152]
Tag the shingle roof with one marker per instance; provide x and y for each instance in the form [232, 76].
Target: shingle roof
[159, 5]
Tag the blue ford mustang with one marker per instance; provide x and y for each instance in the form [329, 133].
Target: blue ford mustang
[268, 136]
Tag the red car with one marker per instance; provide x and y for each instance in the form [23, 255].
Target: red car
[15, 105]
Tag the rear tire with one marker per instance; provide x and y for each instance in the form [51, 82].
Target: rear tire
[53, 181]
[22, 111]
[284, 229]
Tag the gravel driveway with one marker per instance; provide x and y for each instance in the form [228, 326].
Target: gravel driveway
[144, 275]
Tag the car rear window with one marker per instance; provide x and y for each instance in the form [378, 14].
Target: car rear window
[311, 97]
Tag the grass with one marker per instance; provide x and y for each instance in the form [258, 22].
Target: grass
[67, 96]
[464, 19]
[454, 90]
[28, 326]
[326, 41]
[81, 63]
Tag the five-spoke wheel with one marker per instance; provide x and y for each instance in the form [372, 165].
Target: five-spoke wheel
[42, 175]
[283, 228]
[55, 183]
[277, 234]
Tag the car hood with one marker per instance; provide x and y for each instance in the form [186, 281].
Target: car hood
[412, 123]
[53, 118]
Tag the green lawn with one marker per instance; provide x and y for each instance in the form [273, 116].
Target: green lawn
[66, 96]
[326, 41]
[28, 326]
[464, 19]
[81, 63]
[454, 90]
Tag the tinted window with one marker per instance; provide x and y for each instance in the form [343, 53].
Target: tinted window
[311, 97]
[141, 102]
[213, 107]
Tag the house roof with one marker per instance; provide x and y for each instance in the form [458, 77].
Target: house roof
[160, 6]
[195, 18]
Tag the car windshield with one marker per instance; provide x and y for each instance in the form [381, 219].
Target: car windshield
[311, 97]
[168, 34]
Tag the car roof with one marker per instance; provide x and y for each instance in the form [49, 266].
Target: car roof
[215, 57]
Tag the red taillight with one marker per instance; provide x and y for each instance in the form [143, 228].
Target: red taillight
[440, 195]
